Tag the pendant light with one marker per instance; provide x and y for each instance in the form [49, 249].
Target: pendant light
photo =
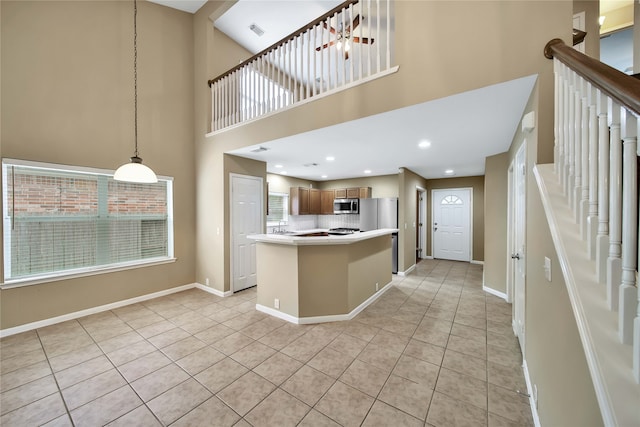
[135, 171]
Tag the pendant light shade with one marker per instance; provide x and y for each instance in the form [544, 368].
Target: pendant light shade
[135, 171]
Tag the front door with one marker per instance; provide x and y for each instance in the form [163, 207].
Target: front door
[452, 224]
[246, 219]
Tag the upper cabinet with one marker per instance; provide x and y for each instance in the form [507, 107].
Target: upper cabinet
[311, 201]
[326, 201]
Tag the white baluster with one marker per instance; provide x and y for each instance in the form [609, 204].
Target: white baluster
[614, 262]
[577, 151]
[561, 123]
[584, 162]
[353, 47]
[360, 6]
[557, 147]
[388, 50]
[636, 322]
[628, 291]
[567, 138]
[378, 35]
[369, 33]
[571, 183]
[592, 217]
[602, 241]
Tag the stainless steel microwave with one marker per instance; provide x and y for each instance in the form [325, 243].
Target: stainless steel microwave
[345, 206]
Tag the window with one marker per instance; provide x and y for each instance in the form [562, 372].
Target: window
[451, 200]
[278, 208]
[61, 221]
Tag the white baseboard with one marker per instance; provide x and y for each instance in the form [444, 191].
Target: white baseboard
[213, 290]
[494, 292]
[323, 319]
[532, 396]
[407, 271]
[89, 311]
[427, 257]
[473, 261]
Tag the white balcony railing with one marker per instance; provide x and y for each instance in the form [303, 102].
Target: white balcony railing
[590, 196]
[349, 45]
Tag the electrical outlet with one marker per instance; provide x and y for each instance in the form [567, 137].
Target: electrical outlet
[206, 281]
[377, 286]
[276, 303]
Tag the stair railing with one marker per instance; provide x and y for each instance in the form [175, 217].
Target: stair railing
[595, 159]
[349, 45]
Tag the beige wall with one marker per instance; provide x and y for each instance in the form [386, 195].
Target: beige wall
[282, 184]
[591, 11]
[507, 44]
[381, 186]
[67, 97]
[495, 220]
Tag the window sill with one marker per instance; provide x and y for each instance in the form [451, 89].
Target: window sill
[38, 280]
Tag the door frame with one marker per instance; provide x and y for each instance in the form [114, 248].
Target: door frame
[514, 170]
[511, 278]
[232, 237]
[422, 219]
[433, 205]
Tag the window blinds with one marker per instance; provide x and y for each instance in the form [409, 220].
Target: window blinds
[59, 221]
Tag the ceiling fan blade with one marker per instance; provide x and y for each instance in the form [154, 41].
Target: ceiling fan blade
[326, 45]
[356, 22]
[363, 40]
[326, 27]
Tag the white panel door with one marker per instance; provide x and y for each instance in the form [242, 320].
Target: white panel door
[518, 255]
[452, 224]
[246, 219]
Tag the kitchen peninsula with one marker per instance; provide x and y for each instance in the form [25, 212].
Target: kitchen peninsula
[312, 277]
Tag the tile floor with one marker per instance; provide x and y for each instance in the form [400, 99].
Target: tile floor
[434, 350]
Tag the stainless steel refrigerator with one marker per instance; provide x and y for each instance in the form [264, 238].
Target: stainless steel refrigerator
[381, 213]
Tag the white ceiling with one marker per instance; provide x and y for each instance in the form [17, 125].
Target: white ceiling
[462, 129]
[190, 6]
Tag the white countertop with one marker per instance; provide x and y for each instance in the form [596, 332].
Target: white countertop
[294, 238]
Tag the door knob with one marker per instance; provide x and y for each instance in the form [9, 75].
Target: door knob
[515, 256]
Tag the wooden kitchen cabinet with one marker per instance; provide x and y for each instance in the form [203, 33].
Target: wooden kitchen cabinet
[353, 193]
[298, 201]
[326, 202]
[304, 201]
[341, 193]
[365, 192]
[314, 201]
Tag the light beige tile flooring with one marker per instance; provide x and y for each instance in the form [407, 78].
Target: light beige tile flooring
[434, 350]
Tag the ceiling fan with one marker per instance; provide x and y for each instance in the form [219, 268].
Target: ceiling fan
[345, 37]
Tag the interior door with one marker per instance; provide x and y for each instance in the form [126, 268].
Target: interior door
[246, 219]
[452, 224]
[518, 255]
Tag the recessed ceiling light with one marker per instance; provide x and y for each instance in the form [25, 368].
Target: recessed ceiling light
[325, 176]
[283, 173]
[330, 158]
[424, 144]
[278, 166]
[449, 172]
[367, 171]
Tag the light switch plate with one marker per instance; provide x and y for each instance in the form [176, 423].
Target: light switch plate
[547, 269]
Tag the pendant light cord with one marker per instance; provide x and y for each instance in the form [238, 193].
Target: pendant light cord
[135, 75]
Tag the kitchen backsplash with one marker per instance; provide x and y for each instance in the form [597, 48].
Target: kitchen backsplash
[307, 222]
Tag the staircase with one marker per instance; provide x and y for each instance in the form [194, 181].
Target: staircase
[590, 197]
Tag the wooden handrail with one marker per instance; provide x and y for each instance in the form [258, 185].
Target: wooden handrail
[619, 86]
[284, 40]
